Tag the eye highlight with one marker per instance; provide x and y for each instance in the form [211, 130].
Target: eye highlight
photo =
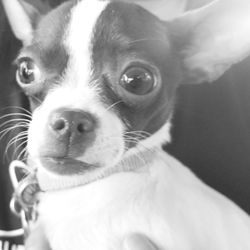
[27, 71]
[138, 81]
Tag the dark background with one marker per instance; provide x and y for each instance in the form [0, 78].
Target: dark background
[211, 128]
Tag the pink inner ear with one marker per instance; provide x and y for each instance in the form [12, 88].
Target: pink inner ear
[194, 4]
[19, 20]
[23, 16]
[32, 13]
[164, 9]
[215, 37]
[40, 6]
[168, 9]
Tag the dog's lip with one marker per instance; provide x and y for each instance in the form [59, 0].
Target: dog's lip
[66, 165]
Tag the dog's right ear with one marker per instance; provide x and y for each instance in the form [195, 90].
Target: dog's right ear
[208, 40]
[23, 17]
[211, 39]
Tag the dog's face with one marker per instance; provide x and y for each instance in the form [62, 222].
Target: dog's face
[101, 78]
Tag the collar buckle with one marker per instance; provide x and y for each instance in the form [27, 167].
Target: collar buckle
[25, 197]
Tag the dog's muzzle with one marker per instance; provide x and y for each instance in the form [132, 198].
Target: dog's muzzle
[68, 134]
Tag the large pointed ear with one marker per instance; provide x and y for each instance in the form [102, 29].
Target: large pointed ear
[212, 38]
[23, 16]
[168, 9]
[164, 9]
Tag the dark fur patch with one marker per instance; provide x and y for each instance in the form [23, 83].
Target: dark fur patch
[126, 34]
[47, 49]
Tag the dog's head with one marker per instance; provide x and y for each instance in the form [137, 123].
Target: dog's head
[102, 76]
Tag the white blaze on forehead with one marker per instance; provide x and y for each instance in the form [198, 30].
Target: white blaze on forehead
[79, 37]
[76, 91]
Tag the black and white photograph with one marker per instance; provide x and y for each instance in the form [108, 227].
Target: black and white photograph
[124, 124]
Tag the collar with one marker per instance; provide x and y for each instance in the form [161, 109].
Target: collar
[131, 163]
[27, 189]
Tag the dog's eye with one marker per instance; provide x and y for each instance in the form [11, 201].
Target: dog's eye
[138, 81]
[27, 71]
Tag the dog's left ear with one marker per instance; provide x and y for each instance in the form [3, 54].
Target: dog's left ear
[212, 38]
[23, 16]
[209, 39]
[168, 9]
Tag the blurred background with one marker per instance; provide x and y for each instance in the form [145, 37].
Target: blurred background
[211, 128]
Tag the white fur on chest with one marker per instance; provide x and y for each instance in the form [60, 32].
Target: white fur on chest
[165, 202]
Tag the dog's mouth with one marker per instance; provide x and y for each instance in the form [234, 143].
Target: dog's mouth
[66, 166]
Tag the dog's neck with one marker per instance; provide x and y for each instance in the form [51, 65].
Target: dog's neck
[132, 163]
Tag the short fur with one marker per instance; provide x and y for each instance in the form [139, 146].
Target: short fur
[126, 184]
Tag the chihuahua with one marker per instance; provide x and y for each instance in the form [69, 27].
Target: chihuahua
[102, 77]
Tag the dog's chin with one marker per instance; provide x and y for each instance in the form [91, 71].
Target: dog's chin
[66, 166]
[59, 173]
[69, 166]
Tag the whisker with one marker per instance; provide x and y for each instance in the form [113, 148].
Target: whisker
[6, 130]
[136, 136]
[15, 120]
[16, 139]
[147, 39]
[18, 147]
[15, 114]
[37, 99]
[19, 137]
[23, 152]
[17, 107]
[113, 105]
[138, 132]
[21, 123]
[110, 107]
[139, 144]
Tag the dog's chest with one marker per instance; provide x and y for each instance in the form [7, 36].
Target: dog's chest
[100, 215]
[164, 202]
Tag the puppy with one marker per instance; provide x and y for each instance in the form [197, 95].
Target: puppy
[102, 78]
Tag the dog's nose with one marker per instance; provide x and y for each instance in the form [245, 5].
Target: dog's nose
[72, 124]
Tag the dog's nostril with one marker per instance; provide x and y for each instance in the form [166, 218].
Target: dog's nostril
[86, 125]
[67, 123]
[81, 128]
[59, 124]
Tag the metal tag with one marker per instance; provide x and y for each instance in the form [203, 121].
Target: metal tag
[26, 189]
